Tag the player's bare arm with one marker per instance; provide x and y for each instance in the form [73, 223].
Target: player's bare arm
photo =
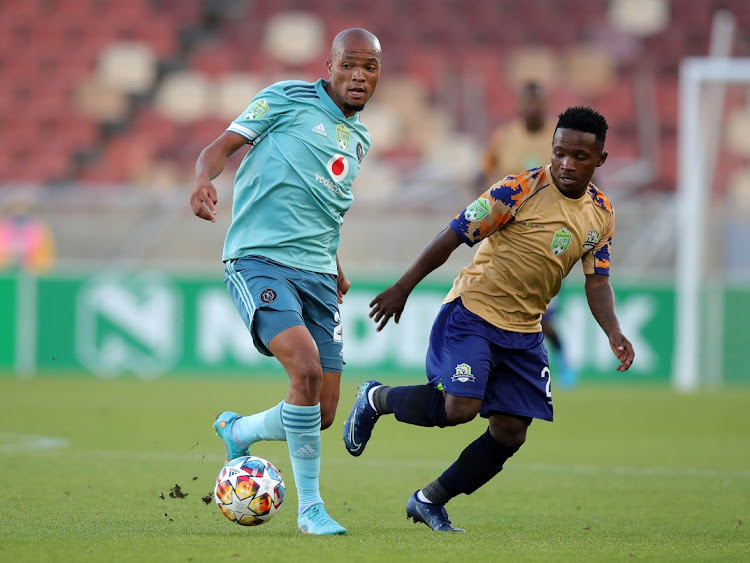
[601, 301]
[391, 302]
[342, 282]
[210, 164]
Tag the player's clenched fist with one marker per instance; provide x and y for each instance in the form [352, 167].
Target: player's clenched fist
[203, 200]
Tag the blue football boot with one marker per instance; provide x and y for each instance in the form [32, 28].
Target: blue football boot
[361, 420]
[223, 425]
[434, 515]
[315, 521]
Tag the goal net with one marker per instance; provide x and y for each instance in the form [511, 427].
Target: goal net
[712, 269]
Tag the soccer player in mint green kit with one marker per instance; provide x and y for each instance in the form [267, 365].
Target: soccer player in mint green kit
[281, 269]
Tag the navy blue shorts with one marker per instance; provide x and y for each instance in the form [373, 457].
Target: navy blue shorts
[272, 297]
[469, 357]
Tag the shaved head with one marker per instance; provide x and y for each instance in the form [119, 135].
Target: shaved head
[353, 69]
[351, 35]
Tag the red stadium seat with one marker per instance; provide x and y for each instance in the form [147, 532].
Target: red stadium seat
[457, 50]
[213, 59]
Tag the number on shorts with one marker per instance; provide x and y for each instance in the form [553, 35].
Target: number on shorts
[545, 373]
[337, 333]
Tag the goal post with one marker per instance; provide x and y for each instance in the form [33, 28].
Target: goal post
[698, 312]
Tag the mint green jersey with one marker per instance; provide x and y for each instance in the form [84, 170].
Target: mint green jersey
[294, 185]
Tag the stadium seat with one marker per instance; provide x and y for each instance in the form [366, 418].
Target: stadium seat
[103, 103]
[160, 35]
[666, 103]
[617, 103]
[533, 63]
[294, 37]
[149, 124]
[127, 66]
[27, 11]
[589, 70]
[213, 59]
[203, 131]
[622, 142]
[233, 94]
[639, 17]
[183, 96]
[465, 59]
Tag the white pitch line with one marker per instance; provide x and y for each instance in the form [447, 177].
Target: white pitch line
[559, 468]
[638, 471]
[12, 442]
[198, 456]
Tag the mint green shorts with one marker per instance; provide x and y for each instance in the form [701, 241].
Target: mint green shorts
[272, 297]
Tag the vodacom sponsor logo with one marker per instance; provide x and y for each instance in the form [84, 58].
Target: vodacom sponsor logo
[338, 167]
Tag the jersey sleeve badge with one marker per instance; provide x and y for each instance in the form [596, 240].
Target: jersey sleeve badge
[257, 109]
[592, 238]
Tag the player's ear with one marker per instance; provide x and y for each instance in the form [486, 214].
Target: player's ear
[602, 158]
[329, 63]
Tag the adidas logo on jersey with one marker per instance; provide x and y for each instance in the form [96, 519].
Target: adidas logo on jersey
[306, 451]
[320, 130]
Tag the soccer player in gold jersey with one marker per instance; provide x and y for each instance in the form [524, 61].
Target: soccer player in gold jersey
[521, 144]
[486, 353]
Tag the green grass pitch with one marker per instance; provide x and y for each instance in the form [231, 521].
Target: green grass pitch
[87, 467]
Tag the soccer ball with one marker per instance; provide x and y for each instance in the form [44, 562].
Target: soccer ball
[249, 490]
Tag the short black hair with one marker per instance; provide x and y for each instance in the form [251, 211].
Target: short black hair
[586, 120]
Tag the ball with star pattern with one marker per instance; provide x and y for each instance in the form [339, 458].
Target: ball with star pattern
[249, 490]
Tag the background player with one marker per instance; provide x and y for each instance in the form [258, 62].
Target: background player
[486, 353]
[521, 144]
[290, 196]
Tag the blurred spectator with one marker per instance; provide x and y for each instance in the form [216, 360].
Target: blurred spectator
[522, 143]
[26, 242]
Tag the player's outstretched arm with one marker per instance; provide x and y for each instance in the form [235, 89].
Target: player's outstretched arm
[601, 300]
[210, 164]
[391, 302]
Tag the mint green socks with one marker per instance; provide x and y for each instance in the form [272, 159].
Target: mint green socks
[264, 425]
[302, 427]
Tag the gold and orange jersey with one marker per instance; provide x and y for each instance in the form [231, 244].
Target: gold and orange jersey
[532, 236]
[513, 147]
